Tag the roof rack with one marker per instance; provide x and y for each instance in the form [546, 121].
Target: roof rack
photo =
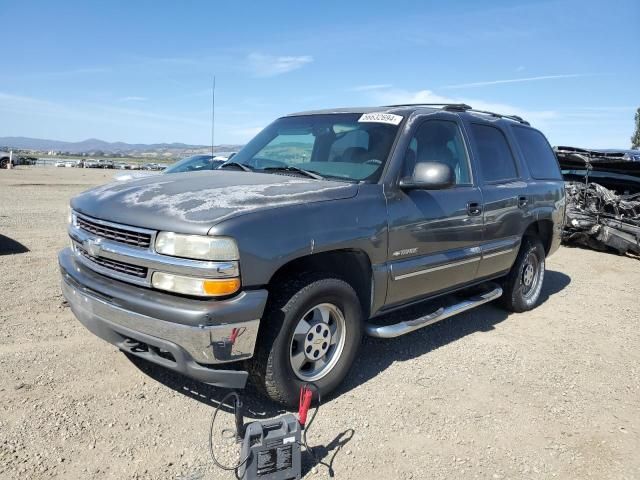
[455, 107]
[515, 118]
[463, 107]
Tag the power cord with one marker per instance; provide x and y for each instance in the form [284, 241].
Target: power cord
[213, 421]
[307, 427]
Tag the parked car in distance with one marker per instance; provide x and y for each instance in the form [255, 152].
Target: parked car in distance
[151, 166]
[88, 163]
[194, 163]
[105, 163]
[66, 163]
[275, 265]
[197, 163]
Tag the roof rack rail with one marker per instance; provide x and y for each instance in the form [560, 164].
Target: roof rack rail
[515, 118]
[463, 107]
[457, 107]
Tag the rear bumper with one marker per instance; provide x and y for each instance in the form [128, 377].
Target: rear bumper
[185, 335]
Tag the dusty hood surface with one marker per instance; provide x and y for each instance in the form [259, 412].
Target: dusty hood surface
[193, 203]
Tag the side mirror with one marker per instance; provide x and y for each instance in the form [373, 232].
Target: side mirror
[429, 176]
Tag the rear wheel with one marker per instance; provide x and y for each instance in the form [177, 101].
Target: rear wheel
[4, 163]
[311, 332]
[523, 284]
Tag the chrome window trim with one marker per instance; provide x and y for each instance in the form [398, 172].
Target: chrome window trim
[437, 267]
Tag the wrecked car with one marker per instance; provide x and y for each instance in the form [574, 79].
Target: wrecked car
[603, 198]
[275, 265]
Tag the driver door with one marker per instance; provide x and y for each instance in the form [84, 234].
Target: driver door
[434, 235]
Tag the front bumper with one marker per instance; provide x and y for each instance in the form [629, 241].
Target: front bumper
[184, 335]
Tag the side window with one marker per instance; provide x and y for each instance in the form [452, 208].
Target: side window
[496, 160]
[537, 152]
[439, 141]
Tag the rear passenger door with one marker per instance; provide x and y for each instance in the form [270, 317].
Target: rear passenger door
[505, 198]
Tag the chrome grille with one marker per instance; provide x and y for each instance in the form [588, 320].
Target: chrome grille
[122, 235]
[122, 267]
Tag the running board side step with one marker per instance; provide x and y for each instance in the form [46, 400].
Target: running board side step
[402, 328]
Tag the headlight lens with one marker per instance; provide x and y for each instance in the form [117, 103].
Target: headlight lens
[201, 287]
[198, 247]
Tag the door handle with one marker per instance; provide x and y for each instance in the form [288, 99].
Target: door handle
[474, 208]
[522, 201]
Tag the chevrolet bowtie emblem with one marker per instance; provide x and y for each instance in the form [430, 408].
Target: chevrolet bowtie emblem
[92, 247]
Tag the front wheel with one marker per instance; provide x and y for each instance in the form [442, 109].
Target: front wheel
[4, 163]
[310, 333]
[523, 284]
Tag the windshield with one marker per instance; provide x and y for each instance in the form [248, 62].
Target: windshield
[336, 146]
[194, 164]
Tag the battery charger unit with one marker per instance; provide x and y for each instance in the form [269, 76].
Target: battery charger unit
[270, 448]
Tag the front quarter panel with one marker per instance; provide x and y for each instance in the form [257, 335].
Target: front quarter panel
[270, 239]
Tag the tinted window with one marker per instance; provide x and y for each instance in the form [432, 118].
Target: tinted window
[537, 153]
[496, 160]
[439, 141]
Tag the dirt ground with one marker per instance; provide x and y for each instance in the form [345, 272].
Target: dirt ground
[553, 393]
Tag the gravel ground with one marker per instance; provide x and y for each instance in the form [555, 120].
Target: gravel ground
[553, 393]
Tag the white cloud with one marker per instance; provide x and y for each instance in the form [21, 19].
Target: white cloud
[576, 126]
[399, 96]
[368, 88]
[517, 80]
[269, 65]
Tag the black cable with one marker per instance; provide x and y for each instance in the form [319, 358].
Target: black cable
[213, 420]
[308, 426]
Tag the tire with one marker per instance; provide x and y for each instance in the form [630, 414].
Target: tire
[523, 284]
[4, 163]
[332, 312]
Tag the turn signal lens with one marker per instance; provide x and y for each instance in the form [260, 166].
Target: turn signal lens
[217, 288]
[201, 287]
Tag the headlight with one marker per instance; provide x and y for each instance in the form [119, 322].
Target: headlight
[201, 287]
[198, 247]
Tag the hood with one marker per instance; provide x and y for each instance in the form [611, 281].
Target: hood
[194, 202]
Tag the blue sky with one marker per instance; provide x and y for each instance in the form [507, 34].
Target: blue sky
[141, 71]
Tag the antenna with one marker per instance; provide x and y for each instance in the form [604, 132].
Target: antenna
[213, 115]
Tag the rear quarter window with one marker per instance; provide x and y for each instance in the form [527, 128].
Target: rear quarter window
[538, 154]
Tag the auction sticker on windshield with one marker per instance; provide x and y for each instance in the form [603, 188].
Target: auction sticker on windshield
[389, 118]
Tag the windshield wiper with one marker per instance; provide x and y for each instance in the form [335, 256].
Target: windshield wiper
[241, 166]
[290, 168]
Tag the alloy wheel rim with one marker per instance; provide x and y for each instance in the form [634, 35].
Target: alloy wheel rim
[317, 342]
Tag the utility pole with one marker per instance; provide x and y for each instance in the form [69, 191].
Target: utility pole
[213, 115]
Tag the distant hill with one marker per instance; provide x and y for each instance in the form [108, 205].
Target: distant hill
[93, 145]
